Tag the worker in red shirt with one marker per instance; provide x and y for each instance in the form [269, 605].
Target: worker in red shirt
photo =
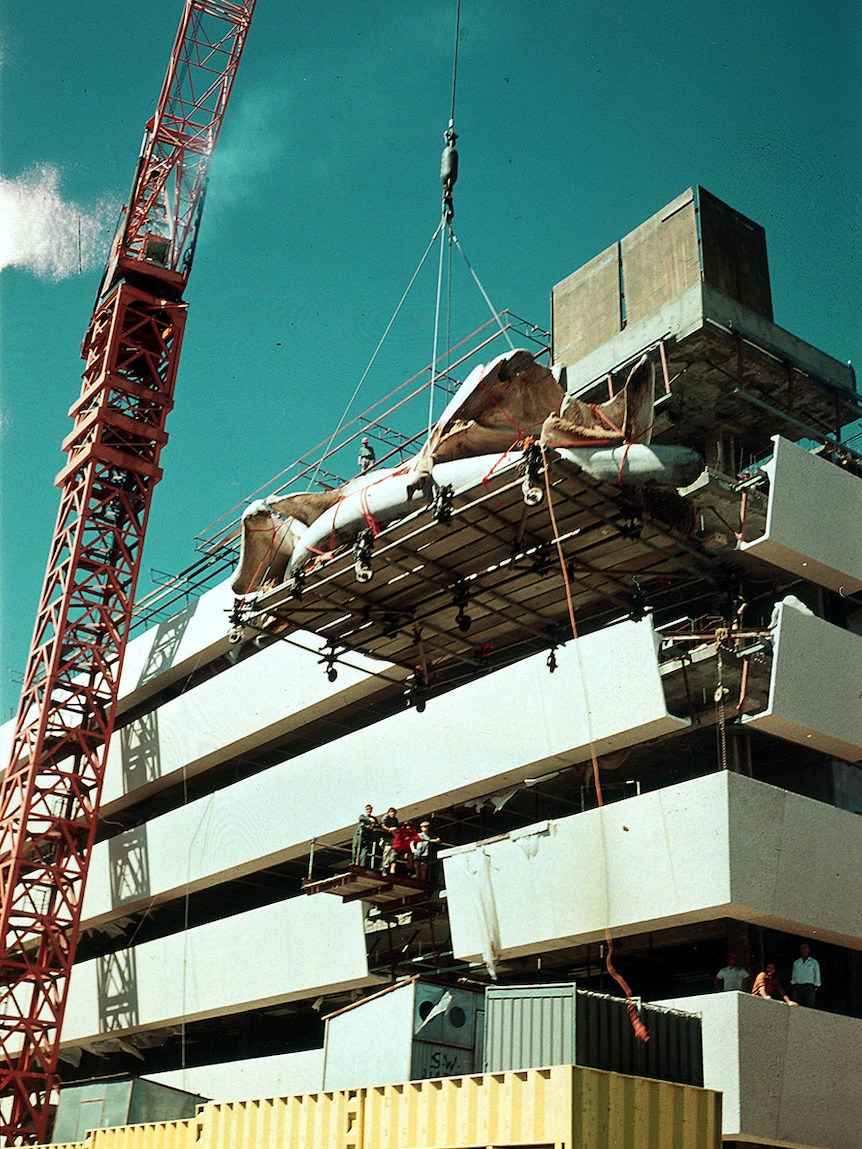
[402, 841]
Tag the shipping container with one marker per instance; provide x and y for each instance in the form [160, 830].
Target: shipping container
[562, 1106]
[410, 1031]
[531, 1026]
[122, 1101]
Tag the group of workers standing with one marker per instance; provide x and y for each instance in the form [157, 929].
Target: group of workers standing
[393, 846]
[804, 979]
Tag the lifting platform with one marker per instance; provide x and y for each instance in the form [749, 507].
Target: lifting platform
[484, 586]
[358, 883]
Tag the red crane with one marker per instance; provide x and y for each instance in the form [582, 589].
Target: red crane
[49, 795]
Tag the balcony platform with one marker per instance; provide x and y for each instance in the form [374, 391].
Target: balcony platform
[788, 1076]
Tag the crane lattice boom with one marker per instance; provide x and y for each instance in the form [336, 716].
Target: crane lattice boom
[49, 795]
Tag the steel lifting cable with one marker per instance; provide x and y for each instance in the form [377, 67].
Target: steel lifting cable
[455, 59]
[638, 1026]
[373, 358]
[434, 372]
[454, 241]
[484, 293]
[448, 176]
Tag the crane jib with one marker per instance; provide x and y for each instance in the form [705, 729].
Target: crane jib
[49, 795]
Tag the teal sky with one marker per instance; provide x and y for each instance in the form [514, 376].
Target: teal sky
[577, 121]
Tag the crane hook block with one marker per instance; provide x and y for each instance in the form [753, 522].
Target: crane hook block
[449, 166]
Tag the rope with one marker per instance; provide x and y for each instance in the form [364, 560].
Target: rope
[267, 557]
[570, 441]
[519, 431]
[603, 418]
[623, 464]
[638, 1026]
[486, 478]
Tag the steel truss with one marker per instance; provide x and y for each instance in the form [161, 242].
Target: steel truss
[49, 796]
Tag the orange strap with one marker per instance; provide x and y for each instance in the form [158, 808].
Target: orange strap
[641, 1031]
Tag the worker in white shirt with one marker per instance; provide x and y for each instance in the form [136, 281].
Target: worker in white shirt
[805, 978]
[731, 976]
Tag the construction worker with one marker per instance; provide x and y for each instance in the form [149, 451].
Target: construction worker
[367, 458]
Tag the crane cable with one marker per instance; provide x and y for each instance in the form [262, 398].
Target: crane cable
[455, 59]
[448, 176]
[371, 361]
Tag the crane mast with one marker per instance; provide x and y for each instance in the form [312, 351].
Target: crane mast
[49, 795]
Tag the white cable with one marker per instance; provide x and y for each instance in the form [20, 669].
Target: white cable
[495, 314]
[395, 315]
[442, 231]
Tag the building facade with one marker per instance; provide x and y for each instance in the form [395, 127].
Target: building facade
[714, 687]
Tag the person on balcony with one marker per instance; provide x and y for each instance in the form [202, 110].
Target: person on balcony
[805, 978]
[367, 458]
[732, 976]
[766, 984]
[388, 826]
[402, 847]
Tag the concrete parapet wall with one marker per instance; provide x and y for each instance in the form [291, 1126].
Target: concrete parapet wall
[250, 960]
[812, 512]
[789, 1076]
[720, 846]
[523, 722]
[815, 686]
[262, 698]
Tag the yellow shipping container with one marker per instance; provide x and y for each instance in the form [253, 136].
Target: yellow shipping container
[564, 1107]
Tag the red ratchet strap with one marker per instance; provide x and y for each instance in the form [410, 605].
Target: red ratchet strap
[602, 417]
[336, 505]
[622, 465]
[500, 407]
[370, 520]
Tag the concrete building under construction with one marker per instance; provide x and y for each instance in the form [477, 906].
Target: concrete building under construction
[698, 649]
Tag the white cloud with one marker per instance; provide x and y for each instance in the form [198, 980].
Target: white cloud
[45, 234]
[252, 149]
